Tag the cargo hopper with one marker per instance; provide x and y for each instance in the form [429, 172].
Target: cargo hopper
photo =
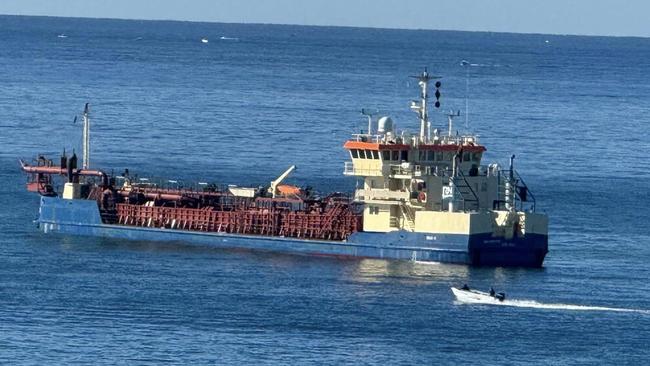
[423, 197]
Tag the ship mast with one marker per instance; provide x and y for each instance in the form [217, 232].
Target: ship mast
[369, 113]
[86, 138]
[421, 107]
[450, 119]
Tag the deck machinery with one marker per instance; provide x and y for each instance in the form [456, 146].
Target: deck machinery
[424, 197]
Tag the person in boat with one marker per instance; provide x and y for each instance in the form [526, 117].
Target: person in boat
[465, 287]
[492, 291]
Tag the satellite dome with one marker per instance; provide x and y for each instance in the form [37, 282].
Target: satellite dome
[385, 124]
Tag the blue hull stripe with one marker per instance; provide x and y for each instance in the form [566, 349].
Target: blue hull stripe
[81, 217]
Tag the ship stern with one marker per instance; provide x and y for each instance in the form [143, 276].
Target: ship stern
[517, 239]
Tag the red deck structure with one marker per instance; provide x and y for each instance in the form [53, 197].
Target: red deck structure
[336, 222]
[294, 213]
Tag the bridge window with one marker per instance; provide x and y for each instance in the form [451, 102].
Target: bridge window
[476, 157]
[440, 156]
[373, 210]
[395, 155]
[385, 155]
[355, 153]
[375, 154]
[404, 155]
[362, 154]
[430, 155]
[466, 156]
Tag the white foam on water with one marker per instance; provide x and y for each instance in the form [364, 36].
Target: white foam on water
[538, 305]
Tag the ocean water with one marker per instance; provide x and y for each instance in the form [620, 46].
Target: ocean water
[574, 110]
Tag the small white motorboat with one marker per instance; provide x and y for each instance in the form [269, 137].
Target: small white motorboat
[204, 40]
[467, 295]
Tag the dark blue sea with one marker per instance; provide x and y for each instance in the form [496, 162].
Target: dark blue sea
[574, 110]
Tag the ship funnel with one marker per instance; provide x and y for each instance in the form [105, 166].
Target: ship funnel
[72, 165]
[64, 160]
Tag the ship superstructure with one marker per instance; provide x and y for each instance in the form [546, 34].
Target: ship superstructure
[433, 190]
[424, 197]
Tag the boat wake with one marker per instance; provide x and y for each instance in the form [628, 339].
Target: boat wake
[538, 305]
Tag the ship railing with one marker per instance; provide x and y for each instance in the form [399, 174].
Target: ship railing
[419, 170]
[524, 194]
[364, 137]
[405, 169]
[150, 184]
[437, 170]
[381, 194]
[523, 197]
[350, 169]
[458, 140]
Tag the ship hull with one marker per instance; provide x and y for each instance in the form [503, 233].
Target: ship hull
[82, 217]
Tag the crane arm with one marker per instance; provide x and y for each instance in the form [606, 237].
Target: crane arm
[275, 183]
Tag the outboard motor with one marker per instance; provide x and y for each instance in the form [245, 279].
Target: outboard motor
[500, 296]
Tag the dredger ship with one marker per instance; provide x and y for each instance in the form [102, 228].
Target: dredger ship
[425, 197]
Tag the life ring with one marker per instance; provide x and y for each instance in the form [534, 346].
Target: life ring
[422, 197]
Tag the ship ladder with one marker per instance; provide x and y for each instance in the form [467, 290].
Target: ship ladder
[466, 192]
[408, 218]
